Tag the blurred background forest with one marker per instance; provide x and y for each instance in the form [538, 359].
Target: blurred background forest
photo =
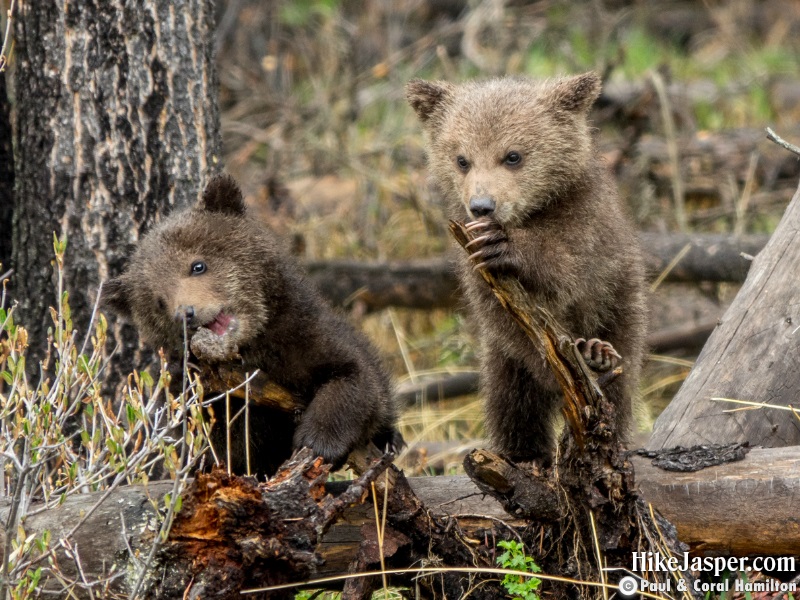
[316, 128]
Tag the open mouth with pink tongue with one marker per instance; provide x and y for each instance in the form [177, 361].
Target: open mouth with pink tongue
[220, 324]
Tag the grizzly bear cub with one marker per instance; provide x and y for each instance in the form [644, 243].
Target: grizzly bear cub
[225, 274]
[517, 159]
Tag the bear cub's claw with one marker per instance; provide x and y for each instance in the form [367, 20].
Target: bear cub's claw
[599, 355]
[334, 450]
[207, 345]
[490, 247]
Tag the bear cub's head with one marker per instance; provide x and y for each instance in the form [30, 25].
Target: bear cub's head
[205, 265]
[506, 147]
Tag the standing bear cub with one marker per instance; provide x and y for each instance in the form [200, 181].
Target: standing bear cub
[517, 159]
[225, 274]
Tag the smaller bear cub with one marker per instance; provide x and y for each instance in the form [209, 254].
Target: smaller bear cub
[225, 274]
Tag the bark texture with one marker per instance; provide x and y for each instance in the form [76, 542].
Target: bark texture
[6, 178]
[118, 123]
[749, 356]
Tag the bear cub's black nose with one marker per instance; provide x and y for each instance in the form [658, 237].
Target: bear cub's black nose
[481, 206]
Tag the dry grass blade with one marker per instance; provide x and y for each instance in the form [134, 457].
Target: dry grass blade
[435, 570]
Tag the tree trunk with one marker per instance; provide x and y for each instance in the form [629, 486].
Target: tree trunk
[118, 123]
[751, 355]
[6, 179]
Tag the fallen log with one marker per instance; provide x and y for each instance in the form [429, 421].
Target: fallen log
[420, 284]
[688, 337]
[757, 494]
[750, 356]
[709, 164]
[432, 283]
[741, 508]
[706, 257]
[462, 383]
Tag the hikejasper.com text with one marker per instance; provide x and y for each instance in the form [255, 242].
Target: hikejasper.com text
[655, 561]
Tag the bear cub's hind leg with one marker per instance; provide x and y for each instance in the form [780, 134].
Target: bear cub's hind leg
[519, 410]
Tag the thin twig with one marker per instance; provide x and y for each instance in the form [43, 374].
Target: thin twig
[744, 198]
[774, 137]
[91, 320]
[228, 433]
[3, 60]
[379, 532]
[598, 555]
[131, 553]
[247, 426]
[11, 526]
[72, 550]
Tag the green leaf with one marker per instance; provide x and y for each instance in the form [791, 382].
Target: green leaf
[147, 380]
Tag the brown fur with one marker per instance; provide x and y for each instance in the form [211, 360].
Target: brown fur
[278, 323]
[517, 157]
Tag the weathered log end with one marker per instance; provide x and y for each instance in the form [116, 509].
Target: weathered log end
[530, 494]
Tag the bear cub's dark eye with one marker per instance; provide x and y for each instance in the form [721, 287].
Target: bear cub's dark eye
[512, 159]
[198, 267]
[462, 163]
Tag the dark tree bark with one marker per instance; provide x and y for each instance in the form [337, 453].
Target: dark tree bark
[749, 356]
[6, 178]
[118, 123]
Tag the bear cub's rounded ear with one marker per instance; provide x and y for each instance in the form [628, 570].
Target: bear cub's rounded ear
[428, 97]
[116, 295]
[578, 93]
[222, 195]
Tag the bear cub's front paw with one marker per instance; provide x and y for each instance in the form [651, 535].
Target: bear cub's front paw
[490, 246]
[599, 355]
[207, 345]
[334, 449]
